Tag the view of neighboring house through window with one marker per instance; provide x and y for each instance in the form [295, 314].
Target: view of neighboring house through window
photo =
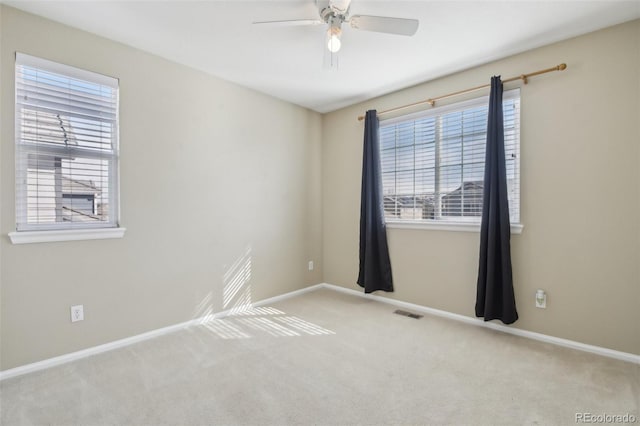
[66, 147]
[433, 162]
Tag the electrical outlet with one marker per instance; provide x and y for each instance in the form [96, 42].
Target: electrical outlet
[77, 313]
[311, 265]
[541, 299]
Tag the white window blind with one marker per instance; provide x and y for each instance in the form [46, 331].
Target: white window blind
[66, 147]
[433, 162]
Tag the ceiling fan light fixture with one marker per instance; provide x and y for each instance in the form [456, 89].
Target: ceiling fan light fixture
[334, 13]
[333, 39]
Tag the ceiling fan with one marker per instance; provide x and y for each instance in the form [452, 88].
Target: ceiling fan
[334, 13]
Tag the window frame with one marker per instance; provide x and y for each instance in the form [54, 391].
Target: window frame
[65, 231]
[462, 223]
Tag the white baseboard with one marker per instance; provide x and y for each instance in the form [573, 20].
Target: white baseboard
[288, 295]
[610, 353]
[73, 356]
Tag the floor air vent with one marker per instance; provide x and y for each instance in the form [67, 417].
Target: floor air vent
[407, 314]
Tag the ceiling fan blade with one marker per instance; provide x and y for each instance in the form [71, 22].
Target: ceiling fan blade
[290, 23]
[383, 24]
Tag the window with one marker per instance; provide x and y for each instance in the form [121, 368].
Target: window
[66, 147]
[433, 162]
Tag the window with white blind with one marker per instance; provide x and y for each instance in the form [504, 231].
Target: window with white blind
[433, 162]
[66, 147]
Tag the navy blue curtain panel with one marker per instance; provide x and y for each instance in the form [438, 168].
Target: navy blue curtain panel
[375, 266]
[495, 298]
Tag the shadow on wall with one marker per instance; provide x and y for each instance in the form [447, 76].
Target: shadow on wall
[240, 319]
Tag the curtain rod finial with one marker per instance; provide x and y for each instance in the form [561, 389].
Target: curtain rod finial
[361, 117]
[562, 67]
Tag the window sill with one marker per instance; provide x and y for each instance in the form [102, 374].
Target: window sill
[516, 228]
[28, 237]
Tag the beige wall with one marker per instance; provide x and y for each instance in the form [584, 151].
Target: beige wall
[211, 174]
[1, 201]
[580, 154]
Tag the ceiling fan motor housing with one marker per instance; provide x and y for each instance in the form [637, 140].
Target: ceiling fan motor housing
[333, 12]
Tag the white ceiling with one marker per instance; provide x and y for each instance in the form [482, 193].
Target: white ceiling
[287, 62]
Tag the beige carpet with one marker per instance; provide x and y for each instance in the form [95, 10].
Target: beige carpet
[326, 358]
